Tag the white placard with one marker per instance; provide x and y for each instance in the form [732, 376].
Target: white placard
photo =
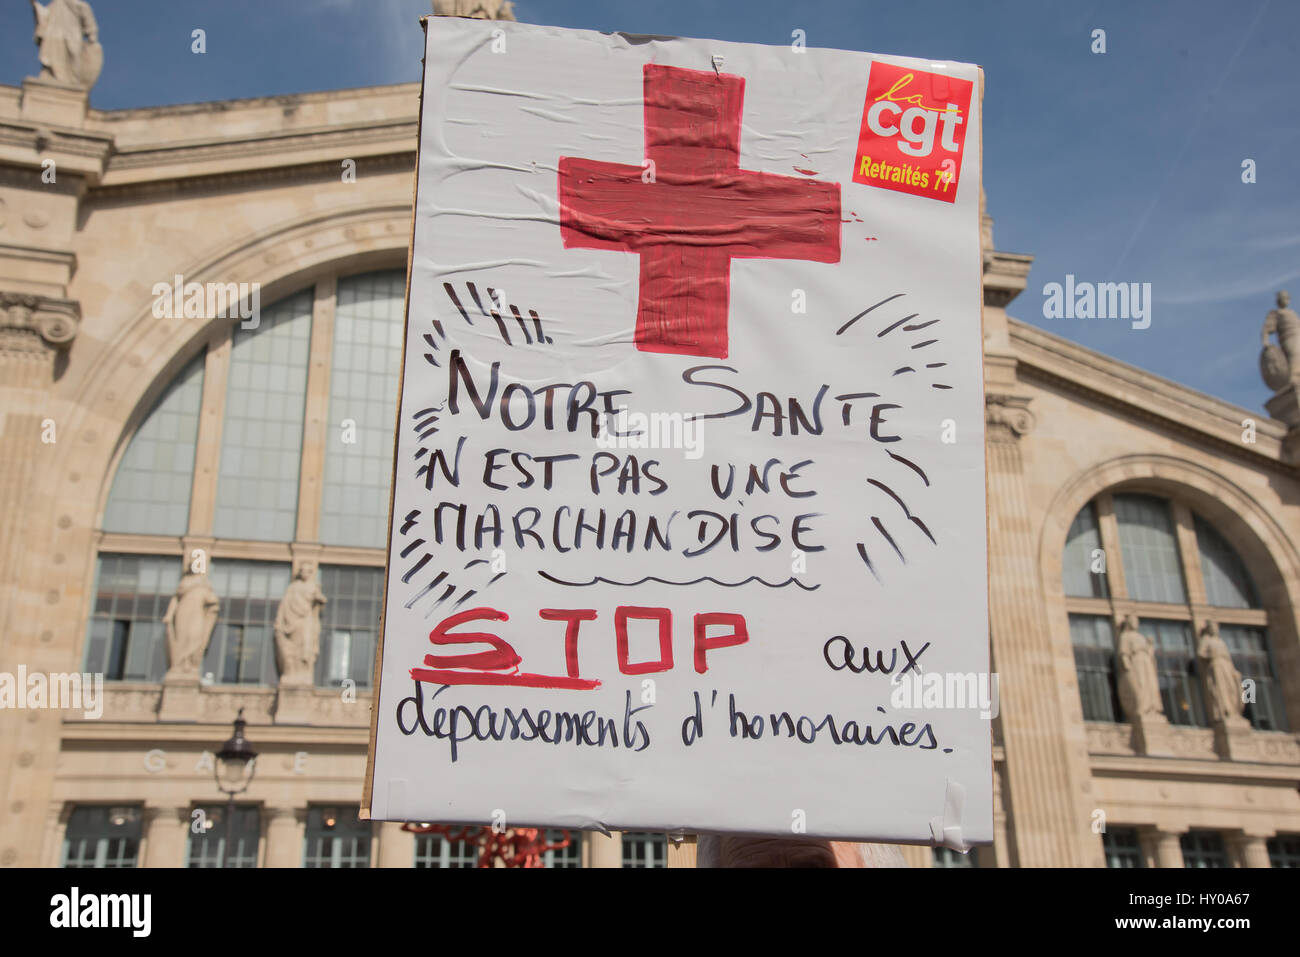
[765, 263]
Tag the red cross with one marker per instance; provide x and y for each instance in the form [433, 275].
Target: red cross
[700, 212]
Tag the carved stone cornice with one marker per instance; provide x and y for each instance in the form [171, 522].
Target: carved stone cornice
[273, 145]
[1005, 276]
[172, 186]
[1007, 416]
[31, 324]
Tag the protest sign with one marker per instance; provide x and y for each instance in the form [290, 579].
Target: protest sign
[688, 521]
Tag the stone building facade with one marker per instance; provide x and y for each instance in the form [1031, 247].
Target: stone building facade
[135, 446]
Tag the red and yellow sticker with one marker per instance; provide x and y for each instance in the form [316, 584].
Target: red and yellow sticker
[913, 131]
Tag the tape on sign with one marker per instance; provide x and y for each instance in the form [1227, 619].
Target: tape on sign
[397, 810]
[946, 831]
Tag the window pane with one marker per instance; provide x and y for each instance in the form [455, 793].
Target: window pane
[1093, 637]
[568, 856]
[1284, 850]
[947, 857]
[1122, 847]
[127, 640]
[434, 850]
[336, 837]
[1226, 581]
[261, 436]
[1176, 667]
[242, 650]
[349, 624]
[363, 389]
[1080, 542]
[102, 837]
[206, 847]
[151, 490]
[1251, 654]
[1150, 549]
[644, 849]
[1203, 849]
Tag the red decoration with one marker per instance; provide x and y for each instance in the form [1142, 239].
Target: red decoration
[690, 209]
[517, 847]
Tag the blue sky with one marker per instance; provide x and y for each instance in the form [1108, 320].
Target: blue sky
[1115, 167]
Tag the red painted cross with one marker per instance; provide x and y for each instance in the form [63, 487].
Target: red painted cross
[697, 212]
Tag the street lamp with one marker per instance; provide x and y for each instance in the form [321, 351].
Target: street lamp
[236, 763]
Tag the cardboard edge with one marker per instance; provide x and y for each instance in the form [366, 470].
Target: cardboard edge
[988, 514]
[368, 784]
[367, 793]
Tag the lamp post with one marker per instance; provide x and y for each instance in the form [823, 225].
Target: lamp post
[236, 764]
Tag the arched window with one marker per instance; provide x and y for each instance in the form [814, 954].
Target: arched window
[1137, 553]
[151, 491]
[274, 442]
[261, 432]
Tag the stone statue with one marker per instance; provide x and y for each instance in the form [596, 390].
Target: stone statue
[1139, 688]
[479, 9]
[190, 617]
[1279, 365]
[297, 628]
[68, 38]
[1221, 677]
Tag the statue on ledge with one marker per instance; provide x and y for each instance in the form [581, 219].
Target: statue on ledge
[297, 628]
[68, 38]
[478, 9]
[190, 617]
[1278, 364]
[1139, 688]
[1222, 679]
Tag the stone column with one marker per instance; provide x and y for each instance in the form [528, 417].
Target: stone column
[286, 829]
[396, 847]
[1148, 841]
[1249, 850]
[40, 431]
[1045, 777]
[166, 831]
[56, 827]
[604, 851]
[35, 333]
[1168, 850]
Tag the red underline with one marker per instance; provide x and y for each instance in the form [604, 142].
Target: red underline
[560, 682]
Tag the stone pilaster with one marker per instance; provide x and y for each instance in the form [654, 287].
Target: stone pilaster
[50, 159]
[604, 851]
[396, 847]
[286, 830]
[1044, 779]
[1164, 842]
[35, 332]
[1249, 849]
[166, 831]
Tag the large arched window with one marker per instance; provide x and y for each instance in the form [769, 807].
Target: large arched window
[274, 442]
[1136, 553]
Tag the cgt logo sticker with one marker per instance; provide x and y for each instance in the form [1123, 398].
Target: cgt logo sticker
[913, 131]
